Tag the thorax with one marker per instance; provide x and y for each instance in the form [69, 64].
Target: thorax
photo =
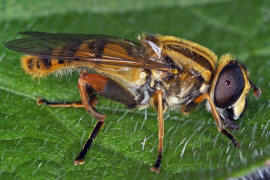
[178, 89]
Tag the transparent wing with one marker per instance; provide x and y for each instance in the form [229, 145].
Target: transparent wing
[88, 48]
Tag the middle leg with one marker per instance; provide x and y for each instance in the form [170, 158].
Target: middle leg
[159, 101]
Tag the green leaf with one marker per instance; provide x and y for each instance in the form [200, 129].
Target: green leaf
[39, 142]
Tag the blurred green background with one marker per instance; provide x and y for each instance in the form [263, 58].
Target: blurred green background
[42, 142]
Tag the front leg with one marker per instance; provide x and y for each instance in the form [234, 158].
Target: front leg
[217, 117]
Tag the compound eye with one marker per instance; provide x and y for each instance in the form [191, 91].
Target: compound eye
[230, 85]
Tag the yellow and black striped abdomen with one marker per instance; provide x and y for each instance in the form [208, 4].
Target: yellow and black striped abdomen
[40, 67]
[55, 60]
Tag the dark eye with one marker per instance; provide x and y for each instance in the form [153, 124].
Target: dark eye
[230, 85]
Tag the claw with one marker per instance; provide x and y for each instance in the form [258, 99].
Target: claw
[230, 124]
[41, 101]
[78, 162]
[155, 169]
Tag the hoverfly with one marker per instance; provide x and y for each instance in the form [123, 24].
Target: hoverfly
[161, 71]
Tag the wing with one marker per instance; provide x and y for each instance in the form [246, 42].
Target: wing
[101, 49]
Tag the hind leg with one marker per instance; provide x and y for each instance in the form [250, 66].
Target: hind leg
[89, 101]
[88, 85]
[88, 97]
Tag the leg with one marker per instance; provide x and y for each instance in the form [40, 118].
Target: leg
[87, 95]
[160, 131]
[87, 145]
[60, 104]
[216, 117]
[92, 83]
